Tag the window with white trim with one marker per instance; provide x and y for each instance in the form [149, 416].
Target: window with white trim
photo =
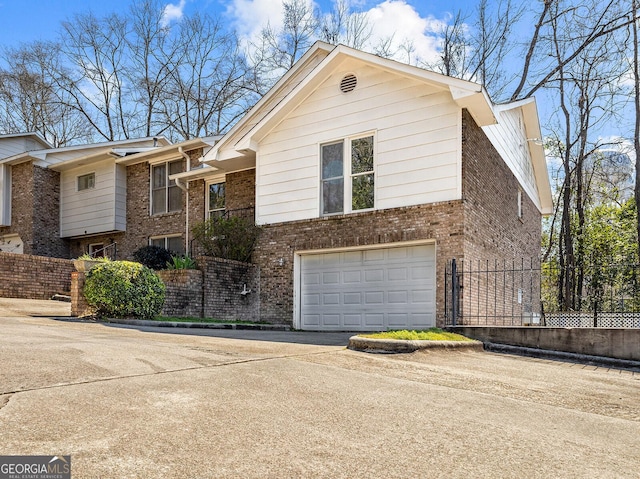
[173, 243]
[216, 200]
[166, 196]
[86, 182]
[351, 159]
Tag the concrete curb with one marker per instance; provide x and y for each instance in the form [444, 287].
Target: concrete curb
[392, 346]
[563, 356]
[176, 324]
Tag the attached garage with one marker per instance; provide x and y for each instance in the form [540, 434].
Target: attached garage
[367, 289]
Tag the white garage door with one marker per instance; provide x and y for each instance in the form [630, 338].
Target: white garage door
[368, 290]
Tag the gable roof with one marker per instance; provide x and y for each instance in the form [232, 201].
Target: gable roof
[308, 73]
[69, 156]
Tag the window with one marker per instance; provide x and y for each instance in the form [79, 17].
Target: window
[216, 200]
[520, 204]
[166, 196]
[172, 243]
[96, 250]
[358, 193]
[86, 182]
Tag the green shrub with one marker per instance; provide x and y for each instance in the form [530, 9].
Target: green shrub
[88, 257]
[124, 289]
[230, 238]
[182, 262]
[153, 257]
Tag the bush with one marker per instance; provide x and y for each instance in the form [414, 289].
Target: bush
[230, 238]
[124, 289]
[182, 262]
[153, 257]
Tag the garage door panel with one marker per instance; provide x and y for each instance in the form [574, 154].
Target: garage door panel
[374, 275]
[398, 320]
[398, 297]
[373, 289]
[373, 320]
[374, 255]
[352, 299]
[354, 320]
[373, 297]
[424, 296]
[311, 299]
[352, 277]
[397, 274]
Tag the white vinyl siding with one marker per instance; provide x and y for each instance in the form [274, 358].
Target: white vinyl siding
[417, 140]
[510, 140]
[97, 210]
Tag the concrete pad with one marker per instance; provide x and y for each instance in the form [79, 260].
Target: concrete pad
[137, 403]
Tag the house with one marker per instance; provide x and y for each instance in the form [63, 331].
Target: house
[63, 202]
[367, 176]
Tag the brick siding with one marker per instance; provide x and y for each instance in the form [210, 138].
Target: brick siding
[184, 292]
[223, 281]
[440, 222]
[33, 277]
[492, 227]
[35, 210]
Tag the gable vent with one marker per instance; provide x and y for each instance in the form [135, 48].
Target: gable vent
[348, 83]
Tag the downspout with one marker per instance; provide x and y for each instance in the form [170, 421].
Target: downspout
[185, 187]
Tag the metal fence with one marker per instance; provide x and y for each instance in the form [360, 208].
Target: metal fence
[525, 292]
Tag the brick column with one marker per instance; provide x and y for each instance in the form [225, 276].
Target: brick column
[79, 305]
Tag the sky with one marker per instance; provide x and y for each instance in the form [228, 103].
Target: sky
[30, 20]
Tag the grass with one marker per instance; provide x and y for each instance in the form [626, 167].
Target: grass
[432, 334]
[199, 320]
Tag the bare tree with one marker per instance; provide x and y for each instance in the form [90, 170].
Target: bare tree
[587, 98]
[94, 50]
[278, 49]
[31, 102]
[345, 26]
[150, 46]
[206, 90]
[635, 63]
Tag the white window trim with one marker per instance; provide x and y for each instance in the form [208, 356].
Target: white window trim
[165, 238]
[347, 175]
[519, 203]
[166, 187]
[93, 187]
[5, 195]
[206, 196]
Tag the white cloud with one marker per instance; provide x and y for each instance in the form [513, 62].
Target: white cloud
[399, 20]
[249, 17]
[391, 18]
[172, 12]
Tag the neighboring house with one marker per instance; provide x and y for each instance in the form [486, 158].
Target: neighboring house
[63, 202]
[367, 176]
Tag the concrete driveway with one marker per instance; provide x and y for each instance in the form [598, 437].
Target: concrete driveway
[141, 403]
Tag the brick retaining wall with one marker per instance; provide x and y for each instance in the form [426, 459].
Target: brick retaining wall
[184, 292]
[34, 277]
